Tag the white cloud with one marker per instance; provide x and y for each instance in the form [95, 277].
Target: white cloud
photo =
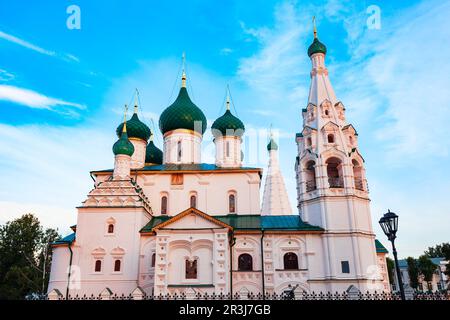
[45, 170]
[6, 76]
[277, 68]
[33, 99]
[26, 44]
[55, 217]
[226, 51]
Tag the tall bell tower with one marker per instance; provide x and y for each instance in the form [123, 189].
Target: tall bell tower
[332, 188]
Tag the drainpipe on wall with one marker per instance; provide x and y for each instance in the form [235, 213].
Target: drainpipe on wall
[70, 270]
[232, 243]
[262, 265]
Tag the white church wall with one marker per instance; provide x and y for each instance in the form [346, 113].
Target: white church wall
[95, 243]
[59, 268]
[212, 190]
[146, 268]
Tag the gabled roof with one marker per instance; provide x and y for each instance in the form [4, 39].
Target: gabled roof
[349, 126]
[380, 248]
[188, 212]
[245, 222]
[330, 123]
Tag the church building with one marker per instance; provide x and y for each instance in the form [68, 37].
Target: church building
[163, 222]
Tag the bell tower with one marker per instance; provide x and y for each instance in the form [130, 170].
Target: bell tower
[332, 188]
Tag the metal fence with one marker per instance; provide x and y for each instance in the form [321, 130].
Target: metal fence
[258, 296]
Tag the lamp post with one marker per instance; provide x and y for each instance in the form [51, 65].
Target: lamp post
[389, 224]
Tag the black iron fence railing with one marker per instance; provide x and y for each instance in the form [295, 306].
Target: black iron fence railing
[259, 296]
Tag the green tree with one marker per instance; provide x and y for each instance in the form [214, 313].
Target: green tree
[24, 251]
[390, 266]
[426, 269]
[440, 251]
[413, 272]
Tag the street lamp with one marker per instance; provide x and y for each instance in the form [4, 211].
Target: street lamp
[389, 224]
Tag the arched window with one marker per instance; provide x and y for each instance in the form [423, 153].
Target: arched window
[153, 261]
[110, 228]
[193, 201]
[164, 205]
[330, 138]
[117, 264]
[228, 148]
[310, 176]
[232, 203]
[334, 173]
[290, 260]
[98, 266]
[179, 151]
[245, 262]
[309, 142]
[191, 269]
[327, 112]
[357, 175]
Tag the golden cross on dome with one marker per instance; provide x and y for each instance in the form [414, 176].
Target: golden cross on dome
[125, 119]
[136, 100]
[314, 27]
[228, 97]
[183, 76]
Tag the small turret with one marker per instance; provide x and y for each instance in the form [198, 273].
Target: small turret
[123, 150]
[227, 131]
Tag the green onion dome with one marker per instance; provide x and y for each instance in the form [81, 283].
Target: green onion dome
[317, 47]
[153, 155]
[272, 145]
[135, 128]
[182, 114]
[123, 146]
[227, 125]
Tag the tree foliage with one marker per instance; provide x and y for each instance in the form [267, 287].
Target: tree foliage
[440, 251]
[390, 268]
[413, 272]
[24, 251]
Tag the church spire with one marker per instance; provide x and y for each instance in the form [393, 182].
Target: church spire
[275, 197]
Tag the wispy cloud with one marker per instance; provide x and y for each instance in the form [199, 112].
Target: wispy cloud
[6, 76]
[226, 51]
[58, 161]
[31, 46]
[26, 44]
[36, 100]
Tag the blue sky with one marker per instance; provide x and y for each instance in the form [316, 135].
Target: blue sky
[62, 92]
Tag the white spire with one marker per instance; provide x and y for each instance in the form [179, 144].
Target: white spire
[275, 198]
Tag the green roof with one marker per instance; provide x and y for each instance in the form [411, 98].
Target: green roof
[380, 248]
[123, 146]
[153, 154]
[66, 240]
[317, 47]
[135, 128]
[227, 125]
[272, 145]
[251, 222]
[182, 114]
[187, 167]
